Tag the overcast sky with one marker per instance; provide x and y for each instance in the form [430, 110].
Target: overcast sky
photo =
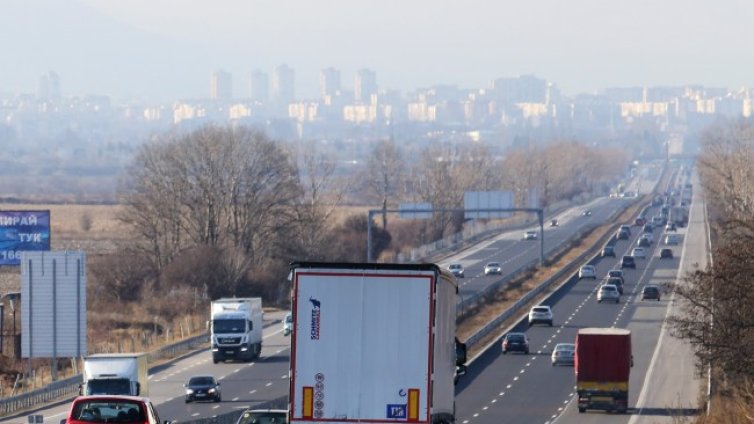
[166, 49]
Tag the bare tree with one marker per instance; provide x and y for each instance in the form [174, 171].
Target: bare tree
[216, 186]
[322, 195]
[385, 172]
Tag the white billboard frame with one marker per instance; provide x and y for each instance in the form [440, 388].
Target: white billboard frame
[53, 304]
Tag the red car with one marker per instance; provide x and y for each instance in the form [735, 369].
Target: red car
[112, 409]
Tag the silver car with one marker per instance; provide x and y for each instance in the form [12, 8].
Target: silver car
[493, 268]
[608, 292]
[288, 323]
[563, 354]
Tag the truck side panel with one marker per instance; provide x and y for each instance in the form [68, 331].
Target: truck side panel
[443, 399]
[350, 359]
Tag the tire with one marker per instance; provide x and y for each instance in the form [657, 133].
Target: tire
[217, 399]
[617, 301]
[188, 401]
[526, 352]
[214, 361]
[599, 301]
[505, 352]
[550, 323]
[582, 410]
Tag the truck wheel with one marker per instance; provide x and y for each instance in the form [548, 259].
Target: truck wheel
[550, 323]
[581, 410]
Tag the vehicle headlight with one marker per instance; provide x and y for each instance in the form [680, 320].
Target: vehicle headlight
[189, 392]
[211, 391]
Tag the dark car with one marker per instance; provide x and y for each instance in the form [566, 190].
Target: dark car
[203, 387]
[628, 262]
[515, 342]
[649, 228]
[640, 222]
[650, 292]
[622, 234]
[617, 282]
[608, 251]
[666, 253]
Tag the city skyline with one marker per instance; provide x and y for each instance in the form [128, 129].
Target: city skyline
[583, 46]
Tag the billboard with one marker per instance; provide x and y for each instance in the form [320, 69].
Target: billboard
[487, 200]
[53, 304]
[23, 231]
[416, 207]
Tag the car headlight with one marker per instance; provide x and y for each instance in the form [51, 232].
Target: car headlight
[211, 391]
[189, 392]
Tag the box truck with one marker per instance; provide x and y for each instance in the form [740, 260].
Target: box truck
[373, 343]
[236, 328]
[115, 374]
[602, 365]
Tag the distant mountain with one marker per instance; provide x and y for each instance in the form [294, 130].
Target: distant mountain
[92, 53]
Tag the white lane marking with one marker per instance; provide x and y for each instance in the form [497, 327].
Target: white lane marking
[217, 406]
[268, 384]
[195, 414]
[235, 399]
[253, 391]
[284, 376]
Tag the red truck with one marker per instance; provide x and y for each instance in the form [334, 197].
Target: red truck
[603, 365]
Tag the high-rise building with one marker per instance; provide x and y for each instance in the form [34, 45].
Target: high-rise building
[329, 82]
[259, 86]
[221, 86]
[365, 85]
[49, 87]
[283, 85]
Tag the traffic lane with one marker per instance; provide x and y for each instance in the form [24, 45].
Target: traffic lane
[672, 379]
[576, 308]
[645, 320]
[242, 384]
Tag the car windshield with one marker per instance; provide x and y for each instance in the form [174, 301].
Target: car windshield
[615, 273]
[289, 318]
[220, 326]
[608, 288]
[650, 289]
[493, 264]
[262, 417]
[515, 337]
[108, 386]
[108, 411]
[454, 266]
[541, 309]
[201, 381]
[565, 346]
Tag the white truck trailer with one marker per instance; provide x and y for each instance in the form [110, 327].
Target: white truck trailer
[236, 330]
[116, 374]
[373, 343]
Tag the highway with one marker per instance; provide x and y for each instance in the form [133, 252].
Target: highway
[249, 384]
[517, 388]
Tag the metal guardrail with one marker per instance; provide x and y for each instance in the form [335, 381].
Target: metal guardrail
[70, 386]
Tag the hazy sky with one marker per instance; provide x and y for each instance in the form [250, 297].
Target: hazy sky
[166, 49]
